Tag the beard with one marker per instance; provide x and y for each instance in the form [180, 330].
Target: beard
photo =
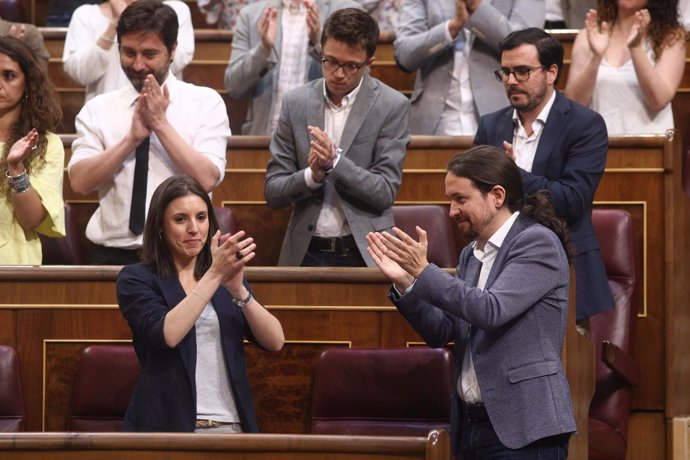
[532, 100]
[137, 78]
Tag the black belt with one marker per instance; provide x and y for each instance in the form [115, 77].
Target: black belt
[336, 244]
[474, 412]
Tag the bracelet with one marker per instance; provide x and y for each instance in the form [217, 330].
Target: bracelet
[242, 303]
[107, 40]
[198, 295]
[19, 183]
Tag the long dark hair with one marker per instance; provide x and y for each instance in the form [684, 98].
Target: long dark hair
[40, 107]
[155, 252]
[488, 166]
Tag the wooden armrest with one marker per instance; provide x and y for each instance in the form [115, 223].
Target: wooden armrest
[620, 362]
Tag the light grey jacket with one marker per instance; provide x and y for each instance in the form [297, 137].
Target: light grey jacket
[518, 324]
[251, 75]
[367, 176]
[422, 45]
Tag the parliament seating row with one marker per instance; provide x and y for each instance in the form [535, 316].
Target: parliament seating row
[106, 374]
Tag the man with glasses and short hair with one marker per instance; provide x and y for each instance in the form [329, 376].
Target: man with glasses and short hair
[275, 48]
[559, 145]
[338, 151]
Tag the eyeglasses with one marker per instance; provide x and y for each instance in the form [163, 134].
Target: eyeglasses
[349, 68]
[520, 73]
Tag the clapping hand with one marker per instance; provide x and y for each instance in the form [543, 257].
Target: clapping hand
[313, 22]
[267, 29]
[639, 28]
[230, 254]
[20, 151]
[399, 256]
[597, 37]
[155, 101]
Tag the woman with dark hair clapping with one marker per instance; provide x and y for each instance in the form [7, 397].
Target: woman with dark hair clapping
[189, 309]
[32, 160]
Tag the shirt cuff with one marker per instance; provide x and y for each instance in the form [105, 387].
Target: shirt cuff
[309, 180]
[397, 294]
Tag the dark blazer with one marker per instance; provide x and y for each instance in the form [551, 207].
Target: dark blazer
[517, 327]
[164, 398]
[569, 163]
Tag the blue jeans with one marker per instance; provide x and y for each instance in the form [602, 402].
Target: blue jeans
[478, 441]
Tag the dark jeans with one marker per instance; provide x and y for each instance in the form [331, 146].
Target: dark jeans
[478, 441]
[333, 259]
[103, 255]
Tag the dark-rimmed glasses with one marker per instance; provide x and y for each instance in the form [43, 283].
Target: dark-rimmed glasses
[350, 68]
[520, 73]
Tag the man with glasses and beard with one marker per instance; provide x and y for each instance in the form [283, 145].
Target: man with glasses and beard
[559, 146]
[338, 151]
[132, 139]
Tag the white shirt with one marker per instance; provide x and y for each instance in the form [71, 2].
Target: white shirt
[292, 71]
[98, 69]
[197, 113]
[467, 384]
[459, 116]
[332, 220]
[214, 397]
[617, 96]
[524, 146]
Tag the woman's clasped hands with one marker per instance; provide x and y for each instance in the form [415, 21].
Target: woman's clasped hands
[230, 254]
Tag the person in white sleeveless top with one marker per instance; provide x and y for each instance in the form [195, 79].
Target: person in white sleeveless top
[627, 64]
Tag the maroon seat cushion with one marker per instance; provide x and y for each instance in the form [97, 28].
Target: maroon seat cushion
[382, 391]
[12, 413]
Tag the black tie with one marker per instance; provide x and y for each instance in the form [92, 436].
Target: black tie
[137, 213]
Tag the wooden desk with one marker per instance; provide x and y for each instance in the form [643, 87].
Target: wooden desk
[52, 313]
[157, 446]
[643, 176]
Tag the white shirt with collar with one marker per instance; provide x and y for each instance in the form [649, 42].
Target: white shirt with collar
[459, 115]
[294, 53]
[197, 113]
[524, 146]
[332, 220]
[467, 384]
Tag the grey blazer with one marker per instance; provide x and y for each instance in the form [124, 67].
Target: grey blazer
[367, 176]
[250, 75]
[516, 327]
[422, 45]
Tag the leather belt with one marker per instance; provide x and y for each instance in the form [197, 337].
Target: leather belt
[336, 244]
[212, 424]
[474, 412]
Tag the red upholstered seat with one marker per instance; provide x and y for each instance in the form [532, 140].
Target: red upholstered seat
[103, 387]
[382, 391]
[613, 335]
[12, 412]
[442, 249]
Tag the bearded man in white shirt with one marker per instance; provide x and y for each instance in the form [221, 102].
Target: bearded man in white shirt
[132, 139]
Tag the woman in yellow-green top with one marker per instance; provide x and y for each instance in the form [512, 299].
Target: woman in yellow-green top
[31, 157]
